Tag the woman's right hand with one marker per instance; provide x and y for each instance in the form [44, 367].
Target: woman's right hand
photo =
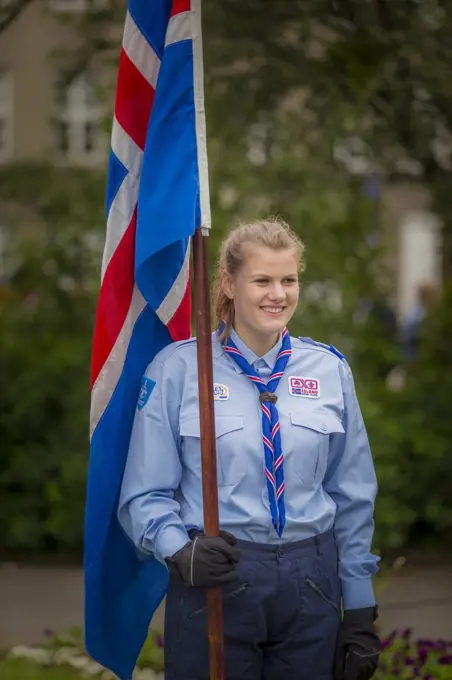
[206, 561]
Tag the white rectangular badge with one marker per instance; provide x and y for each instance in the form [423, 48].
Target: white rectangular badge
[304, 387]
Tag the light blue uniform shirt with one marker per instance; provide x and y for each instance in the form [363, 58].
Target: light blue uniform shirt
[328, 468]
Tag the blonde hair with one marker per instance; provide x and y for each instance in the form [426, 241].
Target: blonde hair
[273, 233]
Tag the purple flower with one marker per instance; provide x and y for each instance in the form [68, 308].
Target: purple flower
[423, 655]
[445, 660]
[425, 643]
[159, 641]
[409, 661]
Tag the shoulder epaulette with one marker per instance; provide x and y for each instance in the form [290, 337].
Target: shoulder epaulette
[330, 348]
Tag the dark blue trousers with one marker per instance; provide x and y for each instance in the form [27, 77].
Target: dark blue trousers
[281, 617]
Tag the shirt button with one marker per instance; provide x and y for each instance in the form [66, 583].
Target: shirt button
[324, 427]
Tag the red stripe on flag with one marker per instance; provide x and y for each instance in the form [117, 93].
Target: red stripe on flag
[134, 99]
[114, 299]
[180, 6]
[179, 326]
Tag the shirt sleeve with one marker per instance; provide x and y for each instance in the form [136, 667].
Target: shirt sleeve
[148, 510]
[351, 483]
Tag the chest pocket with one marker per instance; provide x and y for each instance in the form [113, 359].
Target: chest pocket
[229, 447]
[310, 440]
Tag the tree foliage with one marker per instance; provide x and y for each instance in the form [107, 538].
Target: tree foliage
[367, 80]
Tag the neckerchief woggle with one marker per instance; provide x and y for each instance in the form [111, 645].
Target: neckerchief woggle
[271, 436]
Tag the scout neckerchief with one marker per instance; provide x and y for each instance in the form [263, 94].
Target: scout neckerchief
[274, 470]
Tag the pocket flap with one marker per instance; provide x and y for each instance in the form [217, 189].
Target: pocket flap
[190, 425]
[325, 423]
[225, 424]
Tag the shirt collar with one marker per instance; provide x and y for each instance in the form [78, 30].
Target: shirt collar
[250, 356]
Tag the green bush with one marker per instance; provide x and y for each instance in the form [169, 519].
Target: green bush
[410, 431]
[46, 319]
[428, 420]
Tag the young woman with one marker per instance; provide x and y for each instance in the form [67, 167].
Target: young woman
[296, 484]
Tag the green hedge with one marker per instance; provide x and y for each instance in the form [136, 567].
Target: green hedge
[46, 321]
[411, 435]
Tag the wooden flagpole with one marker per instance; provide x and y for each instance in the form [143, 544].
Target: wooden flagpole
[208, 453]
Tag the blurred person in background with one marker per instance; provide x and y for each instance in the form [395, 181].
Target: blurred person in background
[411, 326]
[296, 484]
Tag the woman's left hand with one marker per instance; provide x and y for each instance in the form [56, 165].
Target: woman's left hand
[358, 646]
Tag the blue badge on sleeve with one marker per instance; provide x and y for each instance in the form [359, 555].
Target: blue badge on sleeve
[147, 385]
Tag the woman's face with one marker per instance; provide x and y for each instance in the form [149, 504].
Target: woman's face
[265, 291]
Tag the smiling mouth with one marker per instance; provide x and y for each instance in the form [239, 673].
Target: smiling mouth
[273, 310]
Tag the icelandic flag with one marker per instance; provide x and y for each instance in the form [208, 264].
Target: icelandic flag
[157, 196]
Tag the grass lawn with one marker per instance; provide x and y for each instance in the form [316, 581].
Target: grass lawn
[21, 669]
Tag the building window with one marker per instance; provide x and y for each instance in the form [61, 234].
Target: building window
[6, 117]
[90, 137]
[63, 137]
[79, 136]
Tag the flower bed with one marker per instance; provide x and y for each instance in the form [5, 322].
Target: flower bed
[63, 658]
[405, 657]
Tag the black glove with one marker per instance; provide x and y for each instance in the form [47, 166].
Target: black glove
[358, 645]
[206, 560]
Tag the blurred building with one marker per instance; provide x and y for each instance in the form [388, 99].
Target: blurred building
[41, 117]
[413, 232]
[417, 243]
[46, 115]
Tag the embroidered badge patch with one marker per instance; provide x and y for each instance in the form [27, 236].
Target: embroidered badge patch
[220, 392]
[147, 385]
[304, 387]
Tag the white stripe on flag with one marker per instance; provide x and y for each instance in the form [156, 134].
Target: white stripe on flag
[170, 304]
[111, 371]
[200, 114]
[179, 28]
[125, 149]
[140, 51]
[120, 216]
